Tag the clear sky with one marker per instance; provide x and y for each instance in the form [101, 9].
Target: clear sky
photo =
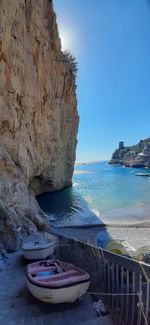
[111, 42]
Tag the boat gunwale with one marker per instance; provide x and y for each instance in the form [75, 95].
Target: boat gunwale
[38, 284]
[50, 285]
[36, 248]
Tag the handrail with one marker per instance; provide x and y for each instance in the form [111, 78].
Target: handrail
[123, 283]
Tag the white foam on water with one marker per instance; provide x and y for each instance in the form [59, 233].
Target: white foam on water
[51, 217]
[76, 184]
[79, 216]
[88, 199]
[80, 172]
[96, 212]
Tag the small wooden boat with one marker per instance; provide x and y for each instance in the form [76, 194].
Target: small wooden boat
[54, 281]
[36, 250]
[120, 247]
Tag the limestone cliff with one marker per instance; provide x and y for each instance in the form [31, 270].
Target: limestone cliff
[38, 110]
[134, 156]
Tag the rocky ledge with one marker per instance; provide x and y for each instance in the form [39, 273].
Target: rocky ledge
[135, 156]
[38, 115]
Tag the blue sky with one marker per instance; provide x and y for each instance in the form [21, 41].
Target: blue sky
[111, 42]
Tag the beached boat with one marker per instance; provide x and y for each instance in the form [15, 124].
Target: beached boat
[54, 281]
[120, 247]
[37, 250]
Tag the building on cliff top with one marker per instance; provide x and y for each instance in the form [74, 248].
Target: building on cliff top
[121, 145]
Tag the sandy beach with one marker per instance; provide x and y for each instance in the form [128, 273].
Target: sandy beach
[136, 236]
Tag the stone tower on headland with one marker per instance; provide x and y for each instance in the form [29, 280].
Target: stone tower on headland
[121, 145]
[134, 156]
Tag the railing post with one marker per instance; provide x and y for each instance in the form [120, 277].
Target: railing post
[127, 298]
[120, 279]
[147, 302]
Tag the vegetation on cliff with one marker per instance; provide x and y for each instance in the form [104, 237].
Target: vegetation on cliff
[72, 62]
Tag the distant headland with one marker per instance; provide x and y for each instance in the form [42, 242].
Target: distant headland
[134, 156]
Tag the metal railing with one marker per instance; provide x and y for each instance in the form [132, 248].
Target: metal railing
[122, 283]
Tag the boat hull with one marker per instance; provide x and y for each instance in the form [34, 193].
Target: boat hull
[60, 295]
[54, 281]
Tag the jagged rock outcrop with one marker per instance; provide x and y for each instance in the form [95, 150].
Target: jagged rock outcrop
[134, 156]
[38, 111]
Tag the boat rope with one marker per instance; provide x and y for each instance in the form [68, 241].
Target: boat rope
[146, 321]
[59, 269]
[140, 304]
[98, 252]
[144, 272]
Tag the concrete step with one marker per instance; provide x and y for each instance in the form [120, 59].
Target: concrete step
[105, 320]
[54, 319]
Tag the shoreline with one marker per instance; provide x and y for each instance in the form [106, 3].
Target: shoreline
[133, 227]
[136, 236]
[138, 225]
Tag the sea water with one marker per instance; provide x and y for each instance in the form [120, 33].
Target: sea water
[100, 193]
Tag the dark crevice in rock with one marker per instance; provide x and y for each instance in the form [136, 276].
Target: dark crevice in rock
[41, 184]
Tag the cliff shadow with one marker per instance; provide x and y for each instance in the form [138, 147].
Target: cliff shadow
[69, 214]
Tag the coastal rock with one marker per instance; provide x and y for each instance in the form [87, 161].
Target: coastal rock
[134, 156]
[38, 115]
[3, 257]
[1, 264]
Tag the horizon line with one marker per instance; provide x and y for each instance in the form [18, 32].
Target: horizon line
[89, 161]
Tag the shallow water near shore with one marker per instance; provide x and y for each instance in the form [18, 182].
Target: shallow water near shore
[101, 193]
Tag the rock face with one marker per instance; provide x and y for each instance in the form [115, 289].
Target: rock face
[134, 156]
[38, 110]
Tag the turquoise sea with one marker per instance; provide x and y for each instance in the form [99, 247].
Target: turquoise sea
[100, 193]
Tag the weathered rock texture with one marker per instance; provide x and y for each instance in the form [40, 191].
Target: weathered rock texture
[38, 109]
[134, 156]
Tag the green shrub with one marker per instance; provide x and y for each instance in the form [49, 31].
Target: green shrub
[28, 215]
[2, 212]
[72, 62]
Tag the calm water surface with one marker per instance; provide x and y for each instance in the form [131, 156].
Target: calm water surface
[111, 193]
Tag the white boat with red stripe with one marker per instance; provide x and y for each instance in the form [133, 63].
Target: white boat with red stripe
[55, 281]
